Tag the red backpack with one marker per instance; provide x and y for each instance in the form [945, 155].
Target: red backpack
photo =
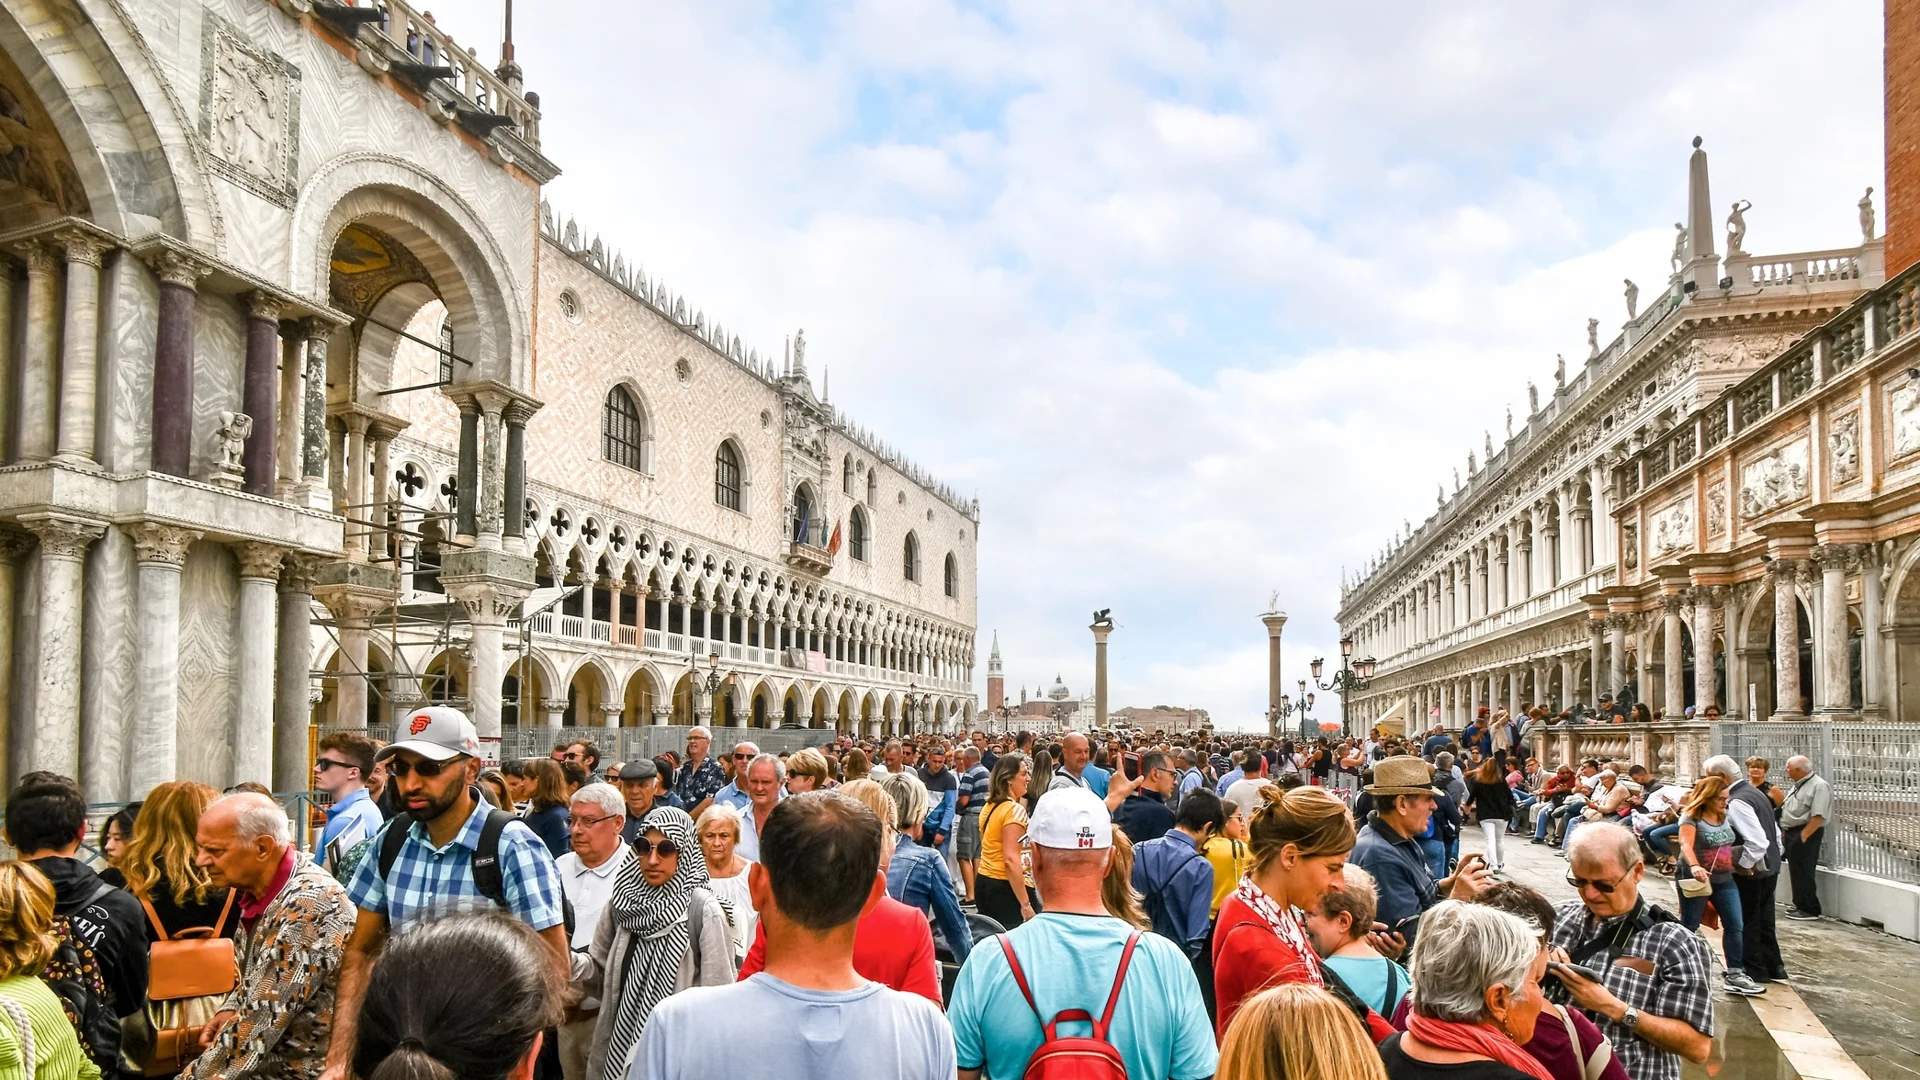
[1081, 1057]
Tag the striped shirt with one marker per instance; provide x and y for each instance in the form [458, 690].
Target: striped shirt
[427, 881]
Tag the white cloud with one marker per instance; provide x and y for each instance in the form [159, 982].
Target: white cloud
[1202, 301]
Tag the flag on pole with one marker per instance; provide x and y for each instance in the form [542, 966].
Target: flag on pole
[833, 545]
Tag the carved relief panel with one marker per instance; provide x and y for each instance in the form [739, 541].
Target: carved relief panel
[1904, 416]
[249, 112]
[1717, 510]
[1670, 529]
[1776, 479]
[1843, 449]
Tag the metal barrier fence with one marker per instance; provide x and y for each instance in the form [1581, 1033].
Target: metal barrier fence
[306, 810]
[630, 743]
[1875, 772]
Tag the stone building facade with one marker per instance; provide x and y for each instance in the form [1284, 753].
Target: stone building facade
[1650, 514]
[307, 395]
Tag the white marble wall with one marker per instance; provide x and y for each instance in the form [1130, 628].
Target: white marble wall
[129, 305]
[209, 614]
[219, 366]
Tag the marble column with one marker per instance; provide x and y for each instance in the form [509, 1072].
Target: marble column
[173, 363]
[1597, 650]
[1836, 685]
[1100, 632]
[253, 719]
[1501, 579]
[7, 387]
[1582, 540]
[610, 712]
[337, 476]
[1673, 675]
[555, 710]
[356, 477]
[55, 733]
[486, 671]
[1704, 692]
[313, 427]
[1736, 702]
[467, 478]
[160, 550]
[292, 424]
[1275, 622]
[1569, 683]
[1872, 601]
[661, 714]
[1539, 695]
[350, 691]
[293, 681]
[80, 349]
[1616, 653]
[1786, 637]
[40, 358]
[1514, 677]
[491, 480]
[12, 546]
[514, 495]
[258, 392]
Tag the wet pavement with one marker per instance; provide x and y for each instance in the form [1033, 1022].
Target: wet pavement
[1860, 986]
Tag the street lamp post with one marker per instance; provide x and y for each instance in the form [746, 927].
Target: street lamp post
[1292, 706]
[1353, 676]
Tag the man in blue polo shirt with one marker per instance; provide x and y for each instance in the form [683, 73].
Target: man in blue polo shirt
[434, 769]
[1070, 953]
[341, 770]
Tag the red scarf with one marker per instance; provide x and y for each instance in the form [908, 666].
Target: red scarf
[1482, 1039]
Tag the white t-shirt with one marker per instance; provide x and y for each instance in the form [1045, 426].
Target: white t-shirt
[766, 1029]
[589, 887]
[1246, 793]
[734, 891]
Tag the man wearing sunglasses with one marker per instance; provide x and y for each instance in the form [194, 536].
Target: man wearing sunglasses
[1655, 1000]
[341, 770]
[434, 769]
[735, 793]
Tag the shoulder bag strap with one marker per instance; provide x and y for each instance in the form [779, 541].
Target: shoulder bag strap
[393, 840]
[1020, 979]
[487, 876]
[1119, 978]
[225, 910]
[154, 917]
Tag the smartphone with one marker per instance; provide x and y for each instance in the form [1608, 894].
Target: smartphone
[1586, 973]
[1130, 764]
[1402, 925]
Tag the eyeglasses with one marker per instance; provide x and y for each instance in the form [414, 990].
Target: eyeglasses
[323, 764]
[400, 767]
[644, 847]
[1604, 888]
[590, 822]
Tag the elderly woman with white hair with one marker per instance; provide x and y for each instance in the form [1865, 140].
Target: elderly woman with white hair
[917, 876]
[719, 833]
[1476, 997]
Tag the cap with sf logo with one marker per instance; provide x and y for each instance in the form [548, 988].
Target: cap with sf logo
[436, 733]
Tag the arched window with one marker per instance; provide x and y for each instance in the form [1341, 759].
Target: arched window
[803, 515]
[846, 474]
[726, 475]
[623, 431]
[446, 349]
[857, 538]
[873, 487]
[953, 575]
[910, 558]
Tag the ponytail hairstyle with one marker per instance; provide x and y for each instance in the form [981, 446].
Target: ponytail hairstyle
[462, 998]
[1310, 818]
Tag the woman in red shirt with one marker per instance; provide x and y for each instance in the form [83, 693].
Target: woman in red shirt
[1299, 840]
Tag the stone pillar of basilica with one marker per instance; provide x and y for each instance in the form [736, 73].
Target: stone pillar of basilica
[161, 550]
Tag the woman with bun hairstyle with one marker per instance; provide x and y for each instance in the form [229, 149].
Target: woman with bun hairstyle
[1298, 840]
[461, 998]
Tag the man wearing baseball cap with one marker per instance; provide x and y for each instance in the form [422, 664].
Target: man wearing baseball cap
[434, 767]
[1069, 956]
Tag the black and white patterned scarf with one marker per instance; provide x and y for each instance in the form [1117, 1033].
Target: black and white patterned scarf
[657, 919]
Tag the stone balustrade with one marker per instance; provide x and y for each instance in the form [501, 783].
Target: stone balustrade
[1671, 751]
[414, 34]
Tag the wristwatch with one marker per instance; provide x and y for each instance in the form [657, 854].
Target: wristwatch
[1630, 1019]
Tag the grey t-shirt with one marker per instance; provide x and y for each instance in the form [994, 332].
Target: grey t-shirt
[766, 1029]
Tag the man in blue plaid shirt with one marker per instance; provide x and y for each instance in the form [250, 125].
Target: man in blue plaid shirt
[434, 770]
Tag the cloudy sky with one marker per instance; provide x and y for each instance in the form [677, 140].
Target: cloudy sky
[1201, 299]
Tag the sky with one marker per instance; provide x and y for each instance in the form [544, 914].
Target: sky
[1201, 300]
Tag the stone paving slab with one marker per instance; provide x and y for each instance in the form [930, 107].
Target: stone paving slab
[1850, 1012]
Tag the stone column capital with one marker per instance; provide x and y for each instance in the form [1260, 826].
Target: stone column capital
[82, 246]
[297, 571]
[64, 537]
[263, 306]
[14, 544]
[40, 258]
[177, 268]
[517, 412]
[1848, 557]
[157, 542]
[1672, 603]
[612, 708]
[553, 704]
[259, 560]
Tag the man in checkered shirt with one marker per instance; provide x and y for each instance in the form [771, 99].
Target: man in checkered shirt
[435, 769]
[1656, 1000]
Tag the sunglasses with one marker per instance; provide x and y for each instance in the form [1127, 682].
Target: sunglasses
[644, 847]
[400, 767]
[323, 764]
[743, 757]
[1604, 888]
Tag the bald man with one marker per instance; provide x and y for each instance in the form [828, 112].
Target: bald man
[294, 922]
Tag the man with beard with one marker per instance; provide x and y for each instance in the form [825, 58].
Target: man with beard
[440, 861]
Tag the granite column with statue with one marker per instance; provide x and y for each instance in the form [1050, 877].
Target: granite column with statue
[1275, 621]
[1100, 632]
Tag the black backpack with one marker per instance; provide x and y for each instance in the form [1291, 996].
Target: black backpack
[75, 977]
[486, 857]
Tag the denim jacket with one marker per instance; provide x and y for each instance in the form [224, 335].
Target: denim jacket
[918, 877]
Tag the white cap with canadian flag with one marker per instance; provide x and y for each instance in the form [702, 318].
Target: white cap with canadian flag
[1072, 818]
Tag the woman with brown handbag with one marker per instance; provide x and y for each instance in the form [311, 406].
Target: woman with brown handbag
[185, 915]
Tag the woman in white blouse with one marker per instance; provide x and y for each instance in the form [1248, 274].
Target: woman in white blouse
[719, 833]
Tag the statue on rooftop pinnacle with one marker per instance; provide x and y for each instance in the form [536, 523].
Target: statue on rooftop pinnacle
[1593, 337]
[1560, 360]
[1737, 227]
[1633, 298]
[1679, 257]
[1866, 216]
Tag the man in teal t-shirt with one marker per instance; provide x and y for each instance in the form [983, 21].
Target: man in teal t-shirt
[1070, 953]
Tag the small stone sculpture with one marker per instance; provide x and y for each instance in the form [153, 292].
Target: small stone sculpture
[1593, 337]
[1560, 361]
[1737, 227]
[1533, 398]
[1866, 215]
[230, 445]
[1679, 247]
[1633, 298]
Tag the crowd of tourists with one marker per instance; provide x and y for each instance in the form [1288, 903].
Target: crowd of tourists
[1148, 906]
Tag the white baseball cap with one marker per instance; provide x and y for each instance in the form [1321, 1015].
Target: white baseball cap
[436, 733]
[1071, 818]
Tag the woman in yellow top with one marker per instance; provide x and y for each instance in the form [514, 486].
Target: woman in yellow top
[1003, 828]
[32, 1020]
[1227, 853]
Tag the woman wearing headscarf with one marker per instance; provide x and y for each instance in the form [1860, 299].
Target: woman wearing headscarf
[663, 931]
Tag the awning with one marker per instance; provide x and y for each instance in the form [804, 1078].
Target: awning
[1394, 720]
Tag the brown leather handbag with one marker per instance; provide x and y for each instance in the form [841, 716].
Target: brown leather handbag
[189, 974]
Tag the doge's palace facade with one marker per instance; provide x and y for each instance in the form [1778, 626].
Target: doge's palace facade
[1734, 453]
[309, 404]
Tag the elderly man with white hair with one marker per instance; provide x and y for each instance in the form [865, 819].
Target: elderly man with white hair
[700, 776]
[764, 776]
[294, 922]
[1756, 867]
[596, 816]
[1803, 823]
[1654, 1000]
